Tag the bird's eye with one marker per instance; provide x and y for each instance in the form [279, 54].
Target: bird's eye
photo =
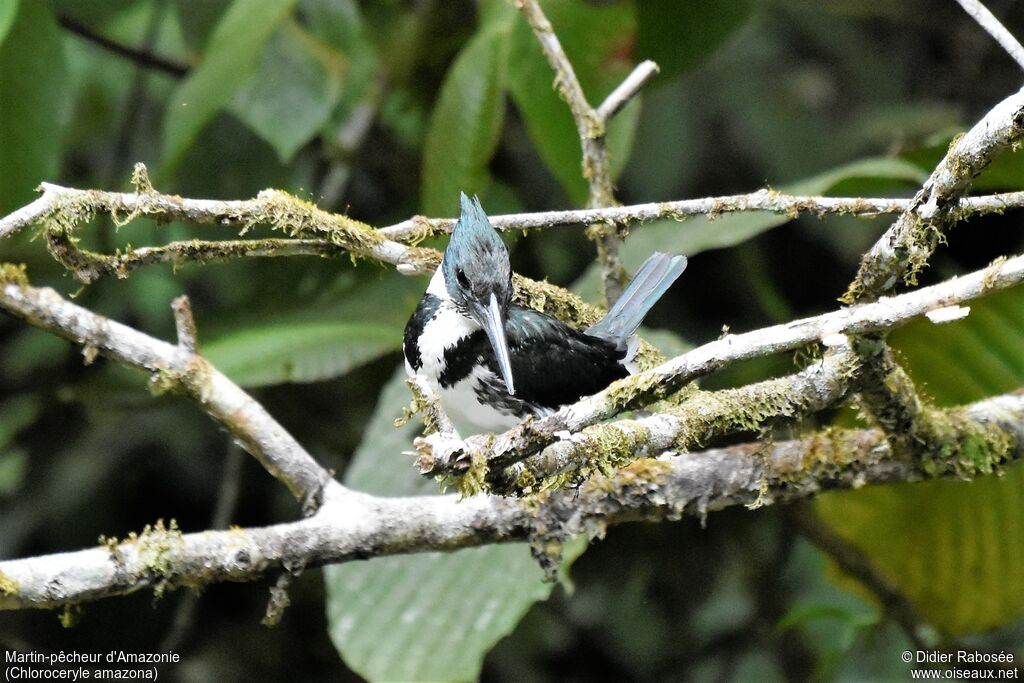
[460, 275]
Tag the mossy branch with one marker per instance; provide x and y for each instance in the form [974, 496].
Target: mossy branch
[697, 421]
[636, 215]
[351, 525]
[451, 457]
[903, 251]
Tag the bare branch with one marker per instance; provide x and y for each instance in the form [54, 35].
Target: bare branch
[352, 525]
[995, 28]
[185, 324]
[224, 509]
[588, 125]
[143, 57]
[26, 215]
[88, 265]
[659, 382]
[175, 368]
[906, 247]
[591, 128]
[761, 200]
[627, 90]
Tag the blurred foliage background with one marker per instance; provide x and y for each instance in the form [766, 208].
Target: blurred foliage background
[386, 109]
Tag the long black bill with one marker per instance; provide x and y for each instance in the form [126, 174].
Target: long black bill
[492, 319]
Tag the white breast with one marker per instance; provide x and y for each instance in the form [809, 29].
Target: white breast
[447, 329]
[467, 413]
[459, 401]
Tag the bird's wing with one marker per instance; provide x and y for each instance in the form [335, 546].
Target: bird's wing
[554, 364]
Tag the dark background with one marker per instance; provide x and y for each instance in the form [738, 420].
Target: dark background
[752, 94]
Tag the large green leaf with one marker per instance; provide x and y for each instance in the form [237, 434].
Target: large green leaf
[231, 56]
[8, 10]
[15, 414]
[701, 233]
[92, 13]
[293, 93]
[425, 617]
[678, 34]
[34, 97]
[956, 548]
[467, 119]
[341, 27]
[308, 351]
[597, 40]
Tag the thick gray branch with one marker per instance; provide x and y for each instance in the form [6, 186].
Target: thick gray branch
[351, 525]
[176, 368]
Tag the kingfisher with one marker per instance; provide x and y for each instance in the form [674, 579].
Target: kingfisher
[491, 362]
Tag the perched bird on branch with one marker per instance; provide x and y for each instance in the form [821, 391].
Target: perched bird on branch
[492, 362]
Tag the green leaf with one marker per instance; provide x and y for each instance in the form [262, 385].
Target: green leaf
[16, 414]
[701, 233]
[34, 98]
[93, 13]
[596, 40]
[430, 616]
[8, 10]
[292, 94]
[679, 34]
[955, 548]
[340, 25]
[232, 54]
[299, 352]
[198, 20]
[13, 465]
[467, 120]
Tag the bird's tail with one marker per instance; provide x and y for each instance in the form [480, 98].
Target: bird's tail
[653, 279]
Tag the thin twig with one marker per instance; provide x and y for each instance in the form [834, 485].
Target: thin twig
[278, 209]
[627, 90]
[27, 215]
[342, 147]
[995, 28]
[592, 128]
[712, 207]
[185, 324]
[145, 57]
[244, 212]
